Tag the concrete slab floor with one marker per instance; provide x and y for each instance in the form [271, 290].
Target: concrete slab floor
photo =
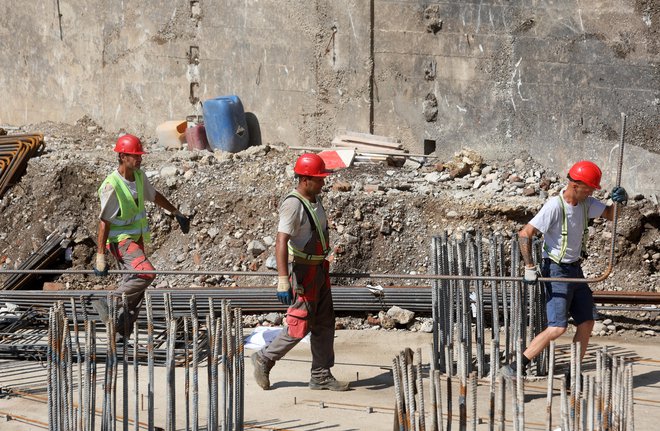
[363, 358]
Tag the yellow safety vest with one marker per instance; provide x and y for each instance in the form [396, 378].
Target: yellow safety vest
[312, 215]
[131, 222]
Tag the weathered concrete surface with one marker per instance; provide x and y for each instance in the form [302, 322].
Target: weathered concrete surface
[546, 78]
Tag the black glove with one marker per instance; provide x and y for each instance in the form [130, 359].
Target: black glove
[184, 222]
[619, 195]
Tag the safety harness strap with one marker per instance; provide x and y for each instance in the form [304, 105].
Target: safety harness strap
[313, 219]
[564, 232]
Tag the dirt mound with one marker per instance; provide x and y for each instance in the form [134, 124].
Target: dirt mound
[382, 218]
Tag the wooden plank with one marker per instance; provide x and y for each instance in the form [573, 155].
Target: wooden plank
[367, 151]
[369, 148]
[380, 138]
[369, 141]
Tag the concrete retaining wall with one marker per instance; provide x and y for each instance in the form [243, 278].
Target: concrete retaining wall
[548, 79]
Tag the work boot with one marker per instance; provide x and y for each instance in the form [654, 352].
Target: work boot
[327, 382]
[262, 368]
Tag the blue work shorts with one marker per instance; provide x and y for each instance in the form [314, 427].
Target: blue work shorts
[564, 298]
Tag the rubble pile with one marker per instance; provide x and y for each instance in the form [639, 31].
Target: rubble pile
[381, 217]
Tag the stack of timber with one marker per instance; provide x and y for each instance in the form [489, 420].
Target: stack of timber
[15, 151]
[370, 148]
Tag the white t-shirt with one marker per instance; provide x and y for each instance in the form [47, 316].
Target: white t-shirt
[294, 220]
[549, 222]
[110, 203]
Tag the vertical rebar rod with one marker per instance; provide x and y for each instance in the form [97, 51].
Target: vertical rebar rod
[136, 375]
[551, 375]
[480, 308]
[450, 406]
[462, 392]
[501, 403]
[565, 420]
[473, 401]
[491, 388]
[630, 405]
[171, 377]
[186, 364]
[195, 364]
[578, 383]
[520, 386]
[150, 363]
[398, 393]
[420, 390]
[438, 396]
[74, 315]
[124, 354]
[573, 376]
[432, 392]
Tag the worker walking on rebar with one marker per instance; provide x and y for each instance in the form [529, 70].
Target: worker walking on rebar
[124, 229]
[301, 249]
[563, 221]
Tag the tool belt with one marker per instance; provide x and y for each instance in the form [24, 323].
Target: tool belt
[303, 261]
[577, 263]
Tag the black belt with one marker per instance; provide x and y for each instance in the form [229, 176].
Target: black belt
[576, 263]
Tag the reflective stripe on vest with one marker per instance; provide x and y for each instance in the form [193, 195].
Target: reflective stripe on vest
[564, 232]
[324, 243]
[132, 219]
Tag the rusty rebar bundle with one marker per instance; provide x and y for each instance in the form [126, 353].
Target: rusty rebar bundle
[66, 353]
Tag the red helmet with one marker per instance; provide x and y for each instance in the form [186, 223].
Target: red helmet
[311, 165]
[587, 172]
[129, 144]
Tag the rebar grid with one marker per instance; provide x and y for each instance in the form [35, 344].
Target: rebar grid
[67, 354]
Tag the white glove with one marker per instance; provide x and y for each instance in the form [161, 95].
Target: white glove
[284, 294]
[100, 268]
[531, 274]
[283, 284]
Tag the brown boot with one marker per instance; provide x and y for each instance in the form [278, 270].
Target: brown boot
[327, 382]
[262, 368]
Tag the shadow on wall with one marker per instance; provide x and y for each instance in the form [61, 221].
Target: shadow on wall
[254, 130]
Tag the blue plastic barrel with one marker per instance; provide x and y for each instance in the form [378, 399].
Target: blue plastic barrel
[226, 127]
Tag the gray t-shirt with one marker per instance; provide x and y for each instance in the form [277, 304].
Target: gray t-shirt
[294, 220]
[549, 222]
[110, 203]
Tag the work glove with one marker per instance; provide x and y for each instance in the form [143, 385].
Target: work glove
[619, 195]
[183, 221]
[100, 268]
[284, 294]
[531, 274]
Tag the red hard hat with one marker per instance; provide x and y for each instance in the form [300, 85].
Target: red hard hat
[587, 172]
[311, 165]
[129, 144]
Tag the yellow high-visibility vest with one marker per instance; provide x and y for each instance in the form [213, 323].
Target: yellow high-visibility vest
[131, 222]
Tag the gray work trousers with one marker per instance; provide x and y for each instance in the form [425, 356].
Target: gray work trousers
[130, 256]
[312, 311]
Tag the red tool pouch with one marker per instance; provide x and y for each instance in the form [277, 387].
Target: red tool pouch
[298, 323]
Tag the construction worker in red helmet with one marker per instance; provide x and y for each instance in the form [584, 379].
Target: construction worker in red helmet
[563, 221]
[303, 284]
[124, 229]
